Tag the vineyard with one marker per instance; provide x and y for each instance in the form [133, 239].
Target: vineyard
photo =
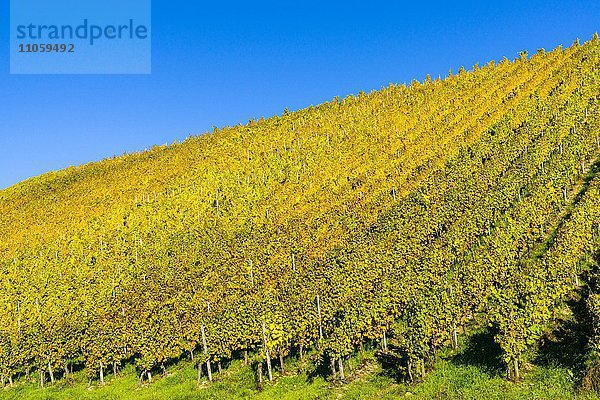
[398, 219]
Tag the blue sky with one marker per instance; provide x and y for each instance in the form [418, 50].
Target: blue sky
[216, 65]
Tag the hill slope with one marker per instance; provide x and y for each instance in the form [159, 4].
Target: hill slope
[402, 217]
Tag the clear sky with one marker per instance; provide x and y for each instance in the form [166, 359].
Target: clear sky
[216, 65]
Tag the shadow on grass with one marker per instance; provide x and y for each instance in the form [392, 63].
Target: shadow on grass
[567, 345]
[317, 365]
[482, 351]
[394, 364]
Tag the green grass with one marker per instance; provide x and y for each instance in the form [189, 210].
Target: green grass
[455, 376]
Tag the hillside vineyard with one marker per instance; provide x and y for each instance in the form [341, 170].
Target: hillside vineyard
[398, 218]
